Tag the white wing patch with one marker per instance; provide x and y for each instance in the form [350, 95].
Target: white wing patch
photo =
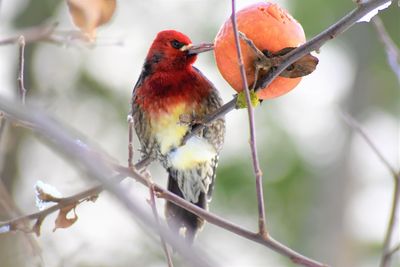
[196, 150]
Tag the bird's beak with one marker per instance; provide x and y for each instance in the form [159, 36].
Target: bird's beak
[197, 49]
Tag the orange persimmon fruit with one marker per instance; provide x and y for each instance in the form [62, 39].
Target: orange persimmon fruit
[270, 28]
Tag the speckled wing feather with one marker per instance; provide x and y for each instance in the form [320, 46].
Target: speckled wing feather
[142, 121]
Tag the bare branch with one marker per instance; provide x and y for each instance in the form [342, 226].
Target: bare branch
[97, 168]
[102, 170]
[392, 51]
[227, 225]
[150, 184]
[393, 218]
[2, 125]
[153, 205]
[130, 141]
[394, 250]
[20, 79]
[47, 33]
[357, 127]
[387, 253]
[34, 34]
[63, 202]
[253, 140]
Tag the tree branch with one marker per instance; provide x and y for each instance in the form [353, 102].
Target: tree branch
[152, 202]
[2, 125]
[47, 33]
[20, 79]
[222, 223]
[253, 141]
[395, 249]
[31, 35]
[97, 168]
[357, 127]
[392, 51]
[393, 217]
[130, 141]
[387, 252]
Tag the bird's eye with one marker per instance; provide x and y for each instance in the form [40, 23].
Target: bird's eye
[176, 44]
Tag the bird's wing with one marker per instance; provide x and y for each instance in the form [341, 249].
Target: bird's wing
[215, 135]
[141, 119]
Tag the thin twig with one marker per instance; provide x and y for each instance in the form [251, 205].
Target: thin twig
[393, 217]
[33, 34]
[20, 79]
[395, 249]
[218, 221]
[2, 126]
[392, 51]
[47, 33]
[64, 202]
[312, 45]
[357, 127]
[150, 184]
[130, 141]
[153, 205]
[253, 140]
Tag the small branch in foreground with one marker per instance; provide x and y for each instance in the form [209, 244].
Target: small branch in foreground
[130, 141]
[253, 141]
[357, 127]
[2, 125]
[152, 202]
[395, 249]
[23, 221]
[47, 33]
[90, 160]
[386, 255]
[150, 184]
[222, 223]
[392, 51]
[98, 168]
[20, 79]
[34, 34]
[387, 252]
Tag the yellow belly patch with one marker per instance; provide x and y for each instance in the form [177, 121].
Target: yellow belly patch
[168, 129]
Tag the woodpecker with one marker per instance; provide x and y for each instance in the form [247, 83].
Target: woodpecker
[169, 89]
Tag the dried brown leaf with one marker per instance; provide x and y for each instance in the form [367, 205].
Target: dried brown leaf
[300, 68]
[36, 227]
[62, 220]
[90, 14]
[45, 196]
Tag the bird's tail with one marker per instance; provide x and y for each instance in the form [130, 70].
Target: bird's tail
[180, 220]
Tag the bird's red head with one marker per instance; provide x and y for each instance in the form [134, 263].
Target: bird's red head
[170, 51]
